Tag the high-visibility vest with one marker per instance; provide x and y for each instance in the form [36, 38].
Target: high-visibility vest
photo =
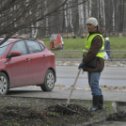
[101, 53]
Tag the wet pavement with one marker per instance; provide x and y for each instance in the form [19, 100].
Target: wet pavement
[111, 76]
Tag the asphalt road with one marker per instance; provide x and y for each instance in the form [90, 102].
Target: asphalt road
[111, 76]
[113, 82]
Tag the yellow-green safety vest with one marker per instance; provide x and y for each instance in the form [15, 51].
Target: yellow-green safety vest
[101, 53]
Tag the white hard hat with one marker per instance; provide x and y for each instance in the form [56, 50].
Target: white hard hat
[107, 38]
[92, 21]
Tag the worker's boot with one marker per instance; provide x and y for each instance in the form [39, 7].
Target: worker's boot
[101, 100]
[97, 103]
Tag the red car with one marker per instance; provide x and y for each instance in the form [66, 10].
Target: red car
[26, 62]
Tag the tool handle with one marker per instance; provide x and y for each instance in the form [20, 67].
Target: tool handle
[72, 87]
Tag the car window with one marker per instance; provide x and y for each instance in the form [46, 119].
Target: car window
[34, 47]
[19, 46]
[3, 47]
[42, 46]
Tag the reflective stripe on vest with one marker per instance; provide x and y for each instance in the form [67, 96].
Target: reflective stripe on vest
[101, 52]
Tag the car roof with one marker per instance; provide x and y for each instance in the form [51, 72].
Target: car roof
[10, 40]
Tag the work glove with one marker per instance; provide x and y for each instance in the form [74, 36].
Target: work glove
[81, 66]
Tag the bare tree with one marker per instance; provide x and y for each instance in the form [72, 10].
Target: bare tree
[16, 15]
[43, 17]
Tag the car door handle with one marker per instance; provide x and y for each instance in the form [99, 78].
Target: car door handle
[28, 59]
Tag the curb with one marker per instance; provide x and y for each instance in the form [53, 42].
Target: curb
[76, 63]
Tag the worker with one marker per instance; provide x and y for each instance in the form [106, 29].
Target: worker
[107, 47]
[62, 42]
[93, 61]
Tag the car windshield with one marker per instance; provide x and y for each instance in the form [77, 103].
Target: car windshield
[3, 47]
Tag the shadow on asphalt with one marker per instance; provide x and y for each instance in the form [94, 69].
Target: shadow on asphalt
[18, 92]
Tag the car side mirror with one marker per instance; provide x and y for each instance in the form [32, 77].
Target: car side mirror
[13, 54]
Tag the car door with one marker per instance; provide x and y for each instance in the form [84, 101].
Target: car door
[17, 67]
[37, 62]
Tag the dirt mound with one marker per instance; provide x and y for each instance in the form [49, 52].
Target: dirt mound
[70, 109]
[52, 115]
[121, 116]
[14, 112]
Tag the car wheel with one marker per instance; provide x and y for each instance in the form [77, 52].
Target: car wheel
[49, 81]
[4, 84]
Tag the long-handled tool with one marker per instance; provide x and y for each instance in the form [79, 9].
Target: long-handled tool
[66, 108]
[72, 87]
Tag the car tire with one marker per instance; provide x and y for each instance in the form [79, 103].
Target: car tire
[49, 81]
[4, 84]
